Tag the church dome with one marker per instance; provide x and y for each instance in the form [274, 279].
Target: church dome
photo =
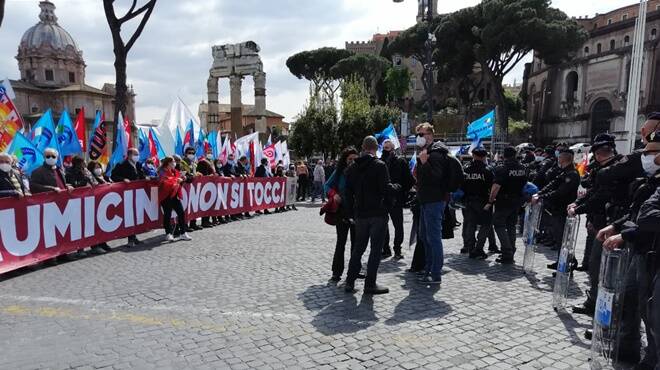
[47, 33]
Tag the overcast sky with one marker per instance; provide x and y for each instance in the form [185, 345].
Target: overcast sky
[173, 55]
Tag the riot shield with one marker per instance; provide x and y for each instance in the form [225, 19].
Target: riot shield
[530, 229]
[609, 308]
[562, 279]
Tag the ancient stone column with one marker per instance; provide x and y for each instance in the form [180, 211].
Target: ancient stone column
[213, 114]
[260, 102]
[235, 84]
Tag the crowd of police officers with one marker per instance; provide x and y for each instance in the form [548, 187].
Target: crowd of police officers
[620, 199]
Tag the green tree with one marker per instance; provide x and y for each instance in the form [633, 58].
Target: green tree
[502, 32]
[315, 66]
[315, 129]
[397, 83]
[355, 113]
[369, 68]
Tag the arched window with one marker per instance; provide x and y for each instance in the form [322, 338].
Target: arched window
[586, 50]
[626, 40]
[654, 34]
[612, 44]
[571, 87]
[599, 48]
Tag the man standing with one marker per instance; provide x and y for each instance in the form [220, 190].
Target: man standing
[476, 187]
[11, 184]
[319, 180]
[368, 193]
[263, 171]
[399, 174]
[506, 195]
[434, 175]
[128, 171]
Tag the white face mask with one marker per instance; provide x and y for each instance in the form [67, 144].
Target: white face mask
[421, 141]
[135, 158]
[191, 157]
[539, 158]
[209, 157]
[98, 172]
[649, 165]
[51, 161]
[5, 167]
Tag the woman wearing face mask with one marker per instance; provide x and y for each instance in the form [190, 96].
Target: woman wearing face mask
[96, 170]
[149, 169]
[170, 199]
[335, 187]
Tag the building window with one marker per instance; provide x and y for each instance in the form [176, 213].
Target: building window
[654, 34]
[596, 25]
[72, 77]
[49, 75]
[612, 44]
[599, 48]
[586, 50]
[624, 17]
[626, 40]
[609, 21]
[34, 109]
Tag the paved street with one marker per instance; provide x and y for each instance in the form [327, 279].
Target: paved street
[255, 294]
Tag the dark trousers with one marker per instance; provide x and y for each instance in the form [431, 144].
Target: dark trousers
[169, 205]
[505, 220]
[475, 218]
[653, 312]
[367, 229]
[492, 243]
[396, 215]
[633, 309]
[302, 187]
[558, 221]
[594, 273]
[344, 229]
[591, 235]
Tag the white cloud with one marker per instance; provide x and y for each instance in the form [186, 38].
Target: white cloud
[173, 55]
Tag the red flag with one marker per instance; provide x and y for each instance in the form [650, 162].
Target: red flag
[127, 127]
[81, 129]
[153, 149]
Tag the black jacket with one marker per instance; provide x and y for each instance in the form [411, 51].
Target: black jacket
[599, 193]
[43, 179]
[512, 177]
[240, 170]
[478, 181]
[432, 175]
[369, 191]
[541, 179]
[205, 167]
[261, 171]
[642, 190]
[229, 170]
[399, 174]
[7, 188]
[79, 178]
[619, 176]
[649, 214]
[126, 171]
[561, 191]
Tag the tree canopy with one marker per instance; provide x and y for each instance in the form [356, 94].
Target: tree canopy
[368, 67]
[316, 65]
[397, 83]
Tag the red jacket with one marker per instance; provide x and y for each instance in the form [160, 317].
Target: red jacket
[169, 184]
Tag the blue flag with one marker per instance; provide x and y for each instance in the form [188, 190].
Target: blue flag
[178, 146]
[121, 146]
[388, 134]
[143, 145]
[413, 162]
[200, 144]
[159, 148]
[189, 135]
[483, 127]
[212, 138]
[29, 157]
[43, 134]
[67, 137]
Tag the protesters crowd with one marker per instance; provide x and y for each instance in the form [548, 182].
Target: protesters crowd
[617, 193]
[171, 173]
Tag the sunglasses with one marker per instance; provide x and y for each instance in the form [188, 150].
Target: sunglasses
[51, 156]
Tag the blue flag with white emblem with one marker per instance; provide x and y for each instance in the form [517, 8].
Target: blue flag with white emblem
[67, 137]
[29, 157]
[483, 127]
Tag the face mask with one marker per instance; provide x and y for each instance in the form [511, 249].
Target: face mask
[135, 158]
[649, 165]
[231, 162]
[556, 153]
[421, 141]
[98, 172]
[51, 161]
[191, 157]
[5, 167]
[209, 157]
[539, 158]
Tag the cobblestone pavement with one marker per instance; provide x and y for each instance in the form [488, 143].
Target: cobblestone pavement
[255, 294]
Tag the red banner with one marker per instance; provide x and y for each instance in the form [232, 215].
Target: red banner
[47, 225]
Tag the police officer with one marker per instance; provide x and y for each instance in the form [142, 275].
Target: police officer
[476, 187]
[637, 279]
[558, 194]
[594, 204]
[506, 195]
[541, 180]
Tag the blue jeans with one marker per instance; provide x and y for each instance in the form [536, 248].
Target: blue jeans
[430, 231]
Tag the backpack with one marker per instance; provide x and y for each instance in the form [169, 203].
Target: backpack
[455, 175]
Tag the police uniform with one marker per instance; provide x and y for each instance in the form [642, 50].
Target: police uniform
[557, 195]
[476, 188]
[511, 176]
[541, 180]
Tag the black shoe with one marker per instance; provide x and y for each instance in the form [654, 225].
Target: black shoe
[552, 266]
[494, 250]
[106, 247]
[582, 268]
[588, 334]
[335, 278]
[196, 227]
[464, 250]
[377, 289]
[207, 225]
[583, 310]
[349, 288]
[479, 255]
[267, 212]
[505, 261]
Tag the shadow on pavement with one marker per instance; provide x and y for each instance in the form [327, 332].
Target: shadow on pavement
[338, 312]
[420, 303]
[574, 329]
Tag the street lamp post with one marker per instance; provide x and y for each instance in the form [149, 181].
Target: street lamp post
[428, 66]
